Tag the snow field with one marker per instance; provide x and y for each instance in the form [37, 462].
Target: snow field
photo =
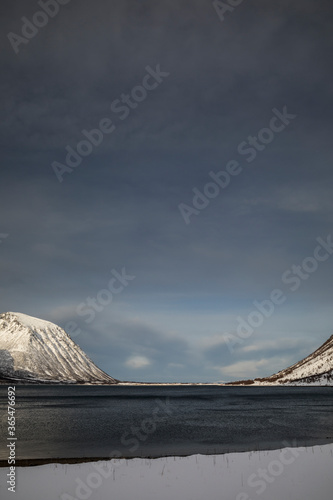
[287, 473]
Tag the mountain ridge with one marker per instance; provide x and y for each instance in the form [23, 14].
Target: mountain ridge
[37, 351]
[314, 369]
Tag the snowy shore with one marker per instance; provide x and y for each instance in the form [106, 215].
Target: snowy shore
[287, 473]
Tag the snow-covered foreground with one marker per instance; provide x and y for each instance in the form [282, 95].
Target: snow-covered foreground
[288, 473]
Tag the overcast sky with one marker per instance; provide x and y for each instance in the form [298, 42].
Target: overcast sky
[182, 90]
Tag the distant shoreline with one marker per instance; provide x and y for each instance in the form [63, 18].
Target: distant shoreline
[167, 384]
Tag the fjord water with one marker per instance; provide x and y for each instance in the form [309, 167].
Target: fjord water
[150, 421]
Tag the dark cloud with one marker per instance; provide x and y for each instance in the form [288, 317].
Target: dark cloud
[119, 207]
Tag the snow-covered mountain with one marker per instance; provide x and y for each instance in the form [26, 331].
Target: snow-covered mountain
[34, 350]
[315, 369]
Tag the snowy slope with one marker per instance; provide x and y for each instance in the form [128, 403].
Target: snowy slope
[35, 350]
[317, 367]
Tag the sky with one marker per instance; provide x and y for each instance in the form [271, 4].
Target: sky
[166, 181]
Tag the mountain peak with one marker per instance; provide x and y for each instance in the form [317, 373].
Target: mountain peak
[35, 350]
[25, 320]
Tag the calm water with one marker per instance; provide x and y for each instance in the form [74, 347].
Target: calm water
[69, 422]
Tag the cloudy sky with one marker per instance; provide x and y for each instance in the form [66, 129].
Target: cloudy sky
[178, 241]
